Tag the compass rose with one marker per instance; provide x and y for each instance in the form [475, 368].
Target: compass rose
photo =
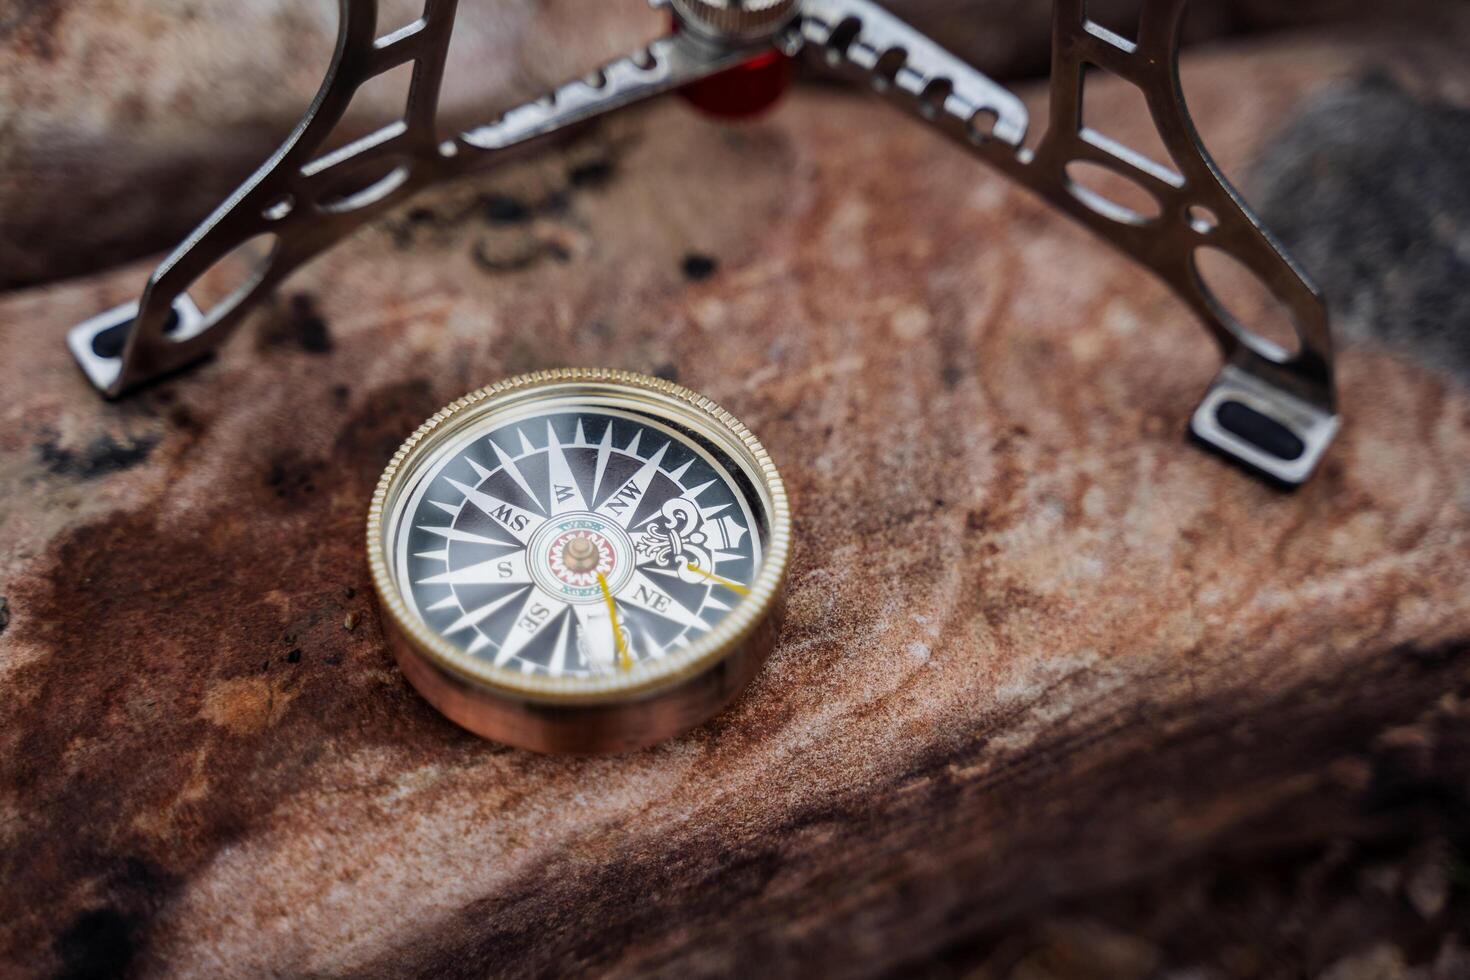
[570, 543]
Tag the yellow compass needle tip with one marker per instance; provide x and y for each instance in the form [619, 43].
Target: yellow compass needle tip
[625, 659]
[719, 580]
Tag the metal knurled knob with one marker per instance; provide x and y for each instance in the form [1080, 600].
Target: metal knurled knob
[739, 19]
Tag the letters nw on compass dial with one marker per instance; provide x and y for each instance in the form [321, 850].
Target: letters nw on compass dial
[578, 542]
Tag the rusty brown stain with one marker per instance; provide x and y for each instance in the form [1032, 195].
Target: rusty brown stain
[112, 732]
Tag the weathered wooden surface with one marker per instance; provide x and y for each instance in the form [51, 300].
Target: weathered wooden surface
[1056, 694]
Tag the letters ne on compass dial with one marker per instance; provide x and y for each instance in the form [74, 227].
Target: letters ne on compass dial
[578, 542]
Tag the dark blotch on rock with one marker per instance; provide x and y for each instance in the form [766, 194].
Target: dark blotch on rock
[404, 231]
[291, 476]
[4, 613]
[99, 943]
[698, 267]
[374, 433]
[484, 256]
[593, 173]
[103, 941]
[1367, 188]
[667, 371]
[556, 204]
[301, 325]
[311, 329]
[502, 209]
[103, 455]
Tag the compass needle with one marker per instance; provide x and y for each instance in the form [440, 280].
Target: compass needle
[625, 660]
[735, 587]
[571, 602]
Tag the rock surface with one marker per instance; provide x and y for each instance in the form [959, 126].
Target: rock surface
[1055, 692]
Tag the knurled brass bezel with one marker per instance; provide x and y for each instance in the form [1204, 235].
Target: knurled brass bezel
[667, 401]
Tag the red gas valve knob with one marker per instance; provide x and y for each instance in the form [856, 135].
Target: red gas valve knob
[743, 91]
[749, 88]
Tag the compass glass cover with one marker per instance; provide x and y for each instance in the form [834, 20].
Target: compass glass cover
[576, 538]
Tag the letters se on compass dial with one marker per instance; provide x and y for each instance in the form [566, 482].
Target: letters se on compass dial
[578, 538]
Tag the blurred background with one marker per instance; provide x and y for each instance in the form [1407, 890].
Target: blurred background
[122, 123]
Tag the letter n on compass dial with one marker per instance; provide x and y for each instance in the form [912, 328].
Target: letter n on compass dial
[577, 542]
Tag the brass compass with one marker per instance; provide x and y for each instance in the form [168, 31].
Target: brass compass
[579, 560]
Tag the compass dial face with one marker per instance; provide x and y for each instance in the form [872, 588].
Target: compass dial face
[576, 537]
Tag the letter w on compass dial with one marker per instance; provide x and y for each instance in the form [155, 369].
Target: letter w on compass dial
[580, 541]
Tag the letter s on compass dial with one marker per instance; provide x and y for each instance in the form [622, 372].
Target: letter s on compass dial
[579, 560]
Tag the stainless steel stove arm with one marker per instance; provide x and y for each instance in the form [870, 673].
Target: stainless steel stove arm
[1269, 409]
[305, 203]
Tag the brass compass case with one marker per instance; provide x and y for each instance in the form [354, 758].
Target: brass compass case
[565, 697]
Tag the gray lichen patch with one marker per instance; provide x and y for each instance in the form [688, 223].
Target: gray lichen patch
[1369, 188]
